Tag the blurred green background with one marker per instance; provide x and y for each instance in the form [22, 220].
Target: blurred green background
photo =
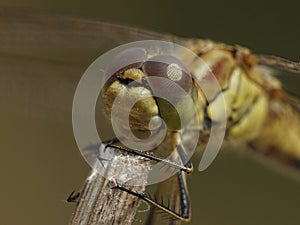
[40, 162]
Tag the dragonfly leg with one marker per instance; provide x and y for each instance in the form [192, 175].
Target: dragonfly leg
[186, 168]
[185, 212]
[73, 197]
[184, 157]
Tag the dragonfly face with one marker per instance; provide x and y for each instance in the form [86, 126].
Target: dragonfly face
[142, 112]
[134, 83]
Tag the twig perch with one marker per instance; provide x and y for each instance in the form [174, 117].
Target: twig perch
[100, 204]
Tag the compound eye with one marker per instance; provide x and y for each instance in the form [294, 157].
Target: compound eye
[131, 57]
[170, 67]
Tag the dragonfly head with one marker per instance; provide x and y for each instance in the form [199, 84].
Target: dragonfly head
[155, 90]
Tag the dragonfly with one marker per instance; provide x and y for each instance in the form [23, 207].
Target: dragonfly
[261, 114]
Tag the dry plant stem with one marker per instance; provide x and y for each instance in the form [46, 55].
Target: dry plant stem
[100, 204]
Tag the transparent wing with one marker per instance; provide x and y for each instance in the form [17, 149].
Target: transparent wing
[63, 39]
[279, 63]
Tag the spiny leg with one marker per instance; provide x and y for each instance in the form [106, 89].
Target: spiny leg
[186, 168]
[184, 158]
[184, 215]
